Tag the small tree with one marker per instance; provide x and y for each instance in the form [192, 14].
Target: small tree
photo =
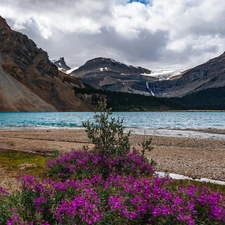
[107, 133]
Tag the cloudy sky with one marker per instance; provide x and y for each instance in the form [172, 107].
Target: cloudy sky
[157, 34]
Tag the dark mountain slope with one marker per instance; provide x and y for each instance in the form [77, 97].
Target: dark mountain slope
[120, 101]
[29, 81]
[208, 75]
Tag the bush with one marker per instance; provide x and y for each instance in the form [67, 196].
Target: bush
[84, 164]
[107, 133]
[110, 155]
[115, 200]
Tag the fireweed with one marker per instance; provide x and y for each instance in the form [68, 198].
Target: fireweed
[117, 199]
[81, 164]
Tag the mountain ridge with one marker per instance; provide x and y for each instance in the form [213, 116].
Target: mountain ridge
[100, 73]
[111, 75]
[109, 64]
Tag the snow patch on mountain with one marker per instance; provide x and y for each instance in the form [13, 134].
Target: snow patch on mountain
[164, 74]
[70, 70]
[104, 69]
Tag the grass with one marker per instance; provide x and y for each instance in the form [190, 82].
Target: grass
[11, 161]
[214, 187]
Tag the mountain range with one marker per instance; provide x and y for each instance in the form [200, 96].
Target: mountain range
[29, 81]
[108, 74]
[200, 88]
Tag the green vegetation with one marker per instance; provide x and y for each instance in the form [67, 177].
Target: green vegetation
[120, 101]
[210, 99]
[22, 163]
[107, 133]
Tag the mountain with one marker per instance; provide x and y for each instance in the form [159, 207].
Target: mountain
[105, 64]
[29, 81]
[120, 101]
[61, 64]
[108, 74]
[208, 99]
[203, 77]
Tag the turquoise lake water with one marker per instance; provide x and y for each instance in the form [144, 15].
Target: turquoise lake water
[167, 120]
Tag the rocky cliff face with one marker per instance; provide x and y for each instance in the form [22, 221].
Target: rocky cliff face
[29, 81]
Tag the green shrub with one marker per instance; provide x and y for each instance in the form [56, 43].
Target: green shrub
[107, 133]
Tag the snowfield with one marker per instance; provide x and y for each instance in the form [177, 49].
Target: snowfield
[164, 74]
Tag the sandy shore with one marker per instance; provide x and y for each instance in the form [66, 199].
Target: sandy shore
[190, 156]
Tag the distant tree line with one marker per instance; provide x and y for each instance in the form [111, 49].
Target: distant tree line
[209, 99]
[121, 101]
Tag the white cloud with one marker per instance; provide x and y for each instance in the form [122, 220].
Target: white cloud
[159, 33]
[129, 19]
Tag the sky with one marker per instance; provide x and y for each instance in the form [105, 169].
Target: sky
[156, 34]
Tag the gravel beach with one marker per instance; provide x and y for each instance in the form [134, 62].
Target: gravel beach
[194, 157]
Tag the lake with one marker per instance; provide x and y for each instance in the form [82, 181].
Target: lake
[154, 120]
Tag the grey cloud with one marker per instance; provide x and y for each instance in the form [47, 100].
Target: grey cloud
[188, 54]
[81, 47]
[149, 47]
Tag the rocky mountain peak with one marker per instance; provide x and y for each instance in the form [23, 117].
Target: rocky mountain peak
[3, 24]
[102, 64]
[61, 64]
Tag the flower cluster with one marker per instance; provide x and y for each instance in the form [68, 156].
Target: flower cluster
[3, 191]
[87, 163]
[120, 199]
[129, 194]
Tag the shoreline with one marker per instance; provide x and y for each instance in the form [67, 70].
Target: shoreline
[186, 133]
[189, 156]
[201, 133]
